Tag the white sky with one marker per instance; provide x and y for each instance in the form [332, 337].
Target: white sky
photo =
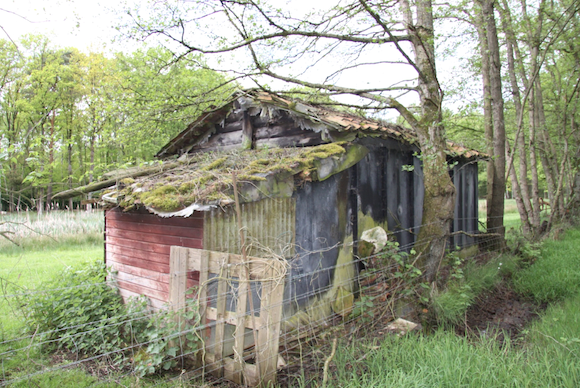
[89, 25]
[78, 23]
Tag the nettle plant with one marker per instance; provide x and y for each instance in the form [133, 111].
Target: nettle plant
[80, 311]
[170, 336]
[406, 278]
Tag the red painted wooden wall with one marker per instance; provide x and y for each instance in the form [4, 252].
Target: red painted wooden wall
[138, 245]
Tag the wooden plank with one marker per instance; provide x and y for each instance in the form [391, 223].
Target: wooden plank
[119, 247]
[221, 140]
[150, 265]
[142, 281]
[141, 290]
[240, 323]
[167, 230]
[203, 280]
[139, 245]
[291, 141]
[247, 132]
[142, 215]
[177, 278]
[155, 238]
[142, 272]
[258, 267]
[268, 355]
[232, 126]
[231, 318]
[222, 258]
[274, 131]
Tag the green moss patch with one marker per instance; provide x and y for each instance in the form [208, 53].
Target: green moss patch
[207, 177]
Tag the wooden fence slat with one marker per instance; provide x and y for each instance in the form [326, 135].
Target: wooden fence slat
[231, 318]
[269, 362]
[240, 325]
[178, 278]
[221, 312]
[203, 280]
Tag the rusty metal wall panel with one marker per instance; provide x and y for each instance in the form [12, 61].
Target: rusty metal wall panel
[269, 223]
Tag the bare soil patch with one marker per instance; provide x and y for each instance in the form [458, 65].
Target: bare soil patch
[499, 312]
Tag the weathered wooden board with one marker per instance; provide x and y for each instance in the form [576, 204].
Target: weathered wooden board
[142, 216]
[141, 290]
[135, 262]
[138, 246]
[306, 139]
[167, 230]
[123, 247]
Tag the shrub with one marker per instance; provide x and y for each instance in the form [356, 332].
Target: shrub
[81, 312]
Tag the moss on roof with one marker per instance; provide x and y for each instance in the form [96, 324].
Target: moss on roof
[205, 178]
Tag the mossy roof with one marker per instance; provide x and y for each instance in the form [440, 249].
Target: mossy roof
[206, 178]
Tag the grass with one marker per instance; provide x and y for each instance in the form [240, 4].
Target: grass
[446, 360]
[556, 274]
[546, 356]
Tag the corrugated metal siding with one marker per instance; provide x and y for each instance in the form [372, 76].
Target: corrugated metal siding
[388, 193]
[270, 224]
[464, 177]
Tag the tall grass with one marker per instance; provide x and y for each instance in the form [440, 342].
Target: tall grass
[556, 274]
[31, 230]
[445, 360]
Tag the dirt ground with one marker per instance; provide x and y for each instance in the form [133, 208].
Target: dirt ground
[499, 311]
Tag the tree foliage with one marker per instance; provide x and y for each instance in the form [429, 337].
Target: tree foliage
[66, 116]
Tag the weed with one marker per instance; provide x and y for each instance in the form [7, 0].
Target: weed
[466, 281]
[79, 311]
[170, 336]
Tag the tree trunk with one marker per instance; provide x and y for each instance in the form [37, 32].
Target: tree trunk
[439, 202]
[487, 110]
[50, 163]
[519, 185]
[496, 205]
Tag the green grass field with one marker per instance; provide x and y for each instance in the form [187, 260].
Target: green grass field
[511, 216]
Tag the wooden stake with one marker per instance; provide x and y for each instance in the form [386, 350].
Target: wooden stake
[246, 265]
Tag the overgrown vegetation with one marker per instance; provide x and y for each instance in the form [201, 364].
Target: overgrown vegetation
[545, 355]
[555, 274]
[80, 311]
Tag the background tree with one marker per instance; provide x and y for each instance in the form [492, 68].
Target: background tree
[67, 117]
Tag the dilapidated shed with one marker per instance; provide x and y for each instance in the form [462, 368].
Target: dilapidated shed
[311, 180]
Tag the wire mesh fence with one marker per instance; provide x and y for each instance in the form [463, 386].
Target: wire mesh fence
[242, 322]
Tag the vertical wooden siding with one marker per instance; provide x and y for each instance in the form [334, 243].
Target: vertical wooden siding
[138, 247]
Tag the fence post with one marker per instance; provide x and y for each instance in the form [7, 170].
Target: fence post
[177, 286]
